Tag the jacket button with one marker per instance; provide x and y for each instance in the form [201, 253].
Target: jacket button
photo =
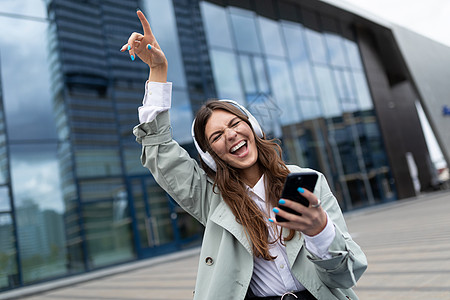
[209, 261]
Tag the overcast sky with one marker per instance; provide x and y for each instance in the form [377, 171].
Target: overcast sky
[430, 18]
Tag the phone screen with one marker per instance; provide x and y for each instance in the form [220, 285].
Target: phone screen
[305, 180]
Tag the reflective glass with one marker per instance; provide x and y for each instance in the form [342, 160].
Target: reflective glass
[160, 219]
[5, 203]
[261, 75]
[9, 277]
[310, 108]
[39, 210]
[245, 33]
[107, 227]
[132, 158]
[226, 75]
[282, 90]
[4, 163]
[316, 46]
[181, 117]
[165, 30]
[362, 91]
[353, 55]
[327, 91]
[247, 74]
[336, 51]
[216, 25]
[340, 84]
[27, 103]
[298, 58]
[97, 162]
[271, 37]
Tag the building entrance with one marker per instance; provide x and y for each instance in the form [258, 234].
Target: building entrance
[154, 218]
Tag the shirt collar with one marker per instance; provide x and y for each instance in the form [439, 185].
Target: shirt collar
[259, 189]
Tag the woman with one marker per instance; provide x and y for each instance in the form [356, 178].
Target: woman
[245, 254]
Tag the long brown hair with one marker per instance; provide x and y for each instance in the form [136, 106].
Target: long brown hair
[233, 189]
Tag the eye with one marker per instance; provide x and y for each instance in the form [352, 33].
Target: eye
[235, 123]
[216, 137]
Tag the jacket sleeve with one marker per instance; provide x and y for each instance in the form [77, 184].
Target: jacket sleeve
[347, 262]
[172, 167]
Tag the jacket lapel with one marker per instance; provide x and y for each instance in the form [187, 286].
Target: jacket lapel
[293, 246]
[224, 217]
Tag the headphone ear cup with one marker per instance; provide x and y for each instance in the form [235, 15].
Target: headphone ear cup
[206, 157]
[209, 160]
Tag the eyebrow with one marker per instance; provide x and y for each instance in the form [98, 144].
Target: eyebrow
[219, 131]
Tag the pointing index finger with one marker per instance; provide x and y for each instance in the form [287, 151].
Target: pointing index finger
[145, 24]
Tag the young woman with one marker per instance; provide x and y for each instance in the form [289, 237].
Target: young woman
[246, 253]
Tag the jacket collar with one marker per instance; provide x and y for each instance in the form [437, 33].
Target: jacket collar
[224, 217]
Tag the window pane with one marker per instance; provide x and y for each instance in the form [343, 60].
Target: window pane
[165, 29]
[362, 90]
[226, 75]
[328, 95]
[39, 210]
[310, 109]
[283, 91]
[181, 117]
[108, 230]
[353, 54]
[335, 50]
[245, 33]
[8, 268]
[5, 204]
[298, 58]
[247, 74]
[216, 25]
[97, 162]
[261, 75]
[28, 107]
[316, 46]
[271, 37]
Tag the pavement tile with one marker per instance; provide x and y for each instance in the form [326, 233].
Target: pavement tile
[407, 244]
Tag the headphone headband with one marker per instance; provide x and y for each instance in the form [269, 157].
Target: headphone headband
[206, 157]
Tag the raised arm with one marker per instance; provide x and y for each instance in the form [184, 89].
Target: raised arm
[147, 49]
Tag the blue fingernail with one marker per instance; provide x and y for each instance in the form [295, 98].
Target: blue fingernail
[270, 220]
[300, 190]
[129, 47]
[281, 201]
[132, 57]
[149, 47]
[276, 210]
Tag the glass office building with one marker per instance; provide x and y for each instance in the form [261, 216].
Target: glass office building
[73, 194]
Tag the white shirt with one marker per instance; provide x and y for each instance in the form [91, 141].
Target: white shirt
[269, 278]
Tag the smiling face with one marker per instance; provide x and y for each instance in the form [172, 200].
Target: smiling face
[232, 140]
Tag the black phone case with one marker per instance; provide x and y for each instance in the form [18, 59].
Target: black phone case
[305, 180]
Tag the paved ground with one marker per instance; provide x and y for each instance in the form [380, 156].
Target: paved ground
[407, 244]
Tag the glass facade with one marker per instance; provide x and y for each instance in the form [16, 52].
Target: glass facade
[305, 82]
[74, 196]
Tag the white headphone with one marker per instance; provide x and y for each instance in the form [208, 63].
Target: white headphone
[206, 157]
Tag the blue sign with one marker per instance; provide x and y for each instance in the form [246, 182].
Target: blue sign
[446, 110]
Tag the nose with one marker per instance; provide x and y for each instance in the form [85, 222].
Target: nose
[230, 133]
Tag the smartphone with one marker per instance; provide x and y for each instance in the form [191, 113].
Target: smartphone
[305, 180]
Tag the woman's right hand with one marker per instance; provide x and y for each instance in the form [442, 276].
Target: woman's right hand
[147, 49]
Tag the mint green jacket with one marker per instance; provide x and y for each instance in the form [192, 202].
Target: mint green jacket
[226, 260]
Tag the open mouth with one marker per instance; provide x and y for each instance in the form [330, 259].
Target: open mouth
[239, 149]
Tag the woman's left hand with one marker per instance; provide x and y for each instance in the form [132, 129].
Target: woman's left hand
[312, 220]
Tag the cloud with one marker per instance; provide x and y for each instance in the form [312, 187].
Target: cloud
[429, 18]
[35, 176]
